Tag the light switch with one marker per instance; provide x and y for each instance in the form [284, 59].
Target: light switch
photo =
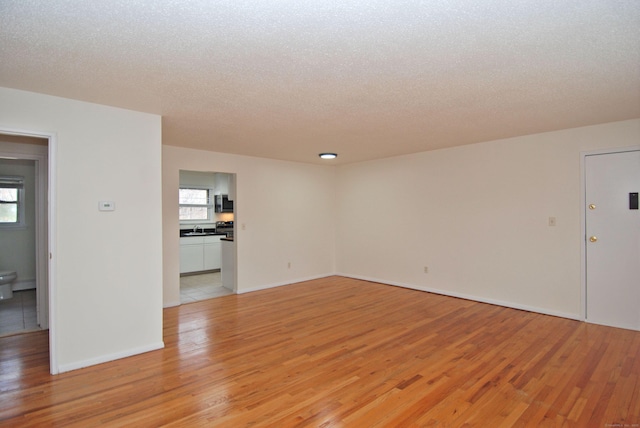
[106, 206]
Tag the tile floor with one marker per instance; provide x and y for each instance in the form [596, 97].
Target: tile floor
[18, 314]
[201, 287]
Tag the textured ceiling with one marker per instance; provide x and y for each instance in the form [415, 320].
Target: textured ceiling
[367, 79]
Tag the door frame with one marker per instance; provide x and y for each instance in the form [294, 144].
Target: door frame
[45, 267]
[583, 219]
[233, 177]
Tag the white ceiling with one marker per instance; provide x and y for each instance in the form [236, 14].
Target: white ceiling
[364, 78]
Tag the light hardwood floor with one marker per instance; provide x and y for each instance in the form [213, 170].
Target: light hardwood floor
[339, 352]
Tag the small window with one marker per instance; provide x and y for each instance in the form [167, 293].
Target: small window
[195, 204]
[11, 201]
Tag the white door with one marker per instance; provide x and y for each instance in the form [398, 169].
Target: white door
[613, 239]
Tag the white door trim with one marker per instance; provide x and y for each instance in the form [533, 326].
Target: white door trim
[583, 219]
[44, 263]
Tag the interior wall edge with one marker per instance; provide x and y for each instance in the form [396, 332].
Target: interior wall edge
[285, 283]
[75, 365]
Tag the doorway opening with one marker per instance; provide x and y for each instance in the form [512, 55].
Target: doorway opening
[206, 217]
[23, 232]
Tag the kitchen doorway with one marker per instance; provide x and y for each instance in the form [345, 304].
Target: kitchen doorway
[206, 218]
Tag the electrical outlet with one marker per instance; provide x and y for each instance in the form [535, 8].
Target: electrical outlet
[552, 221]
[426, 269]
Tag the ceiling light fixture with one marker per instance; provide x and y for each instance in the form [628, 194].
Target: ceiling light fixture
[328, 155]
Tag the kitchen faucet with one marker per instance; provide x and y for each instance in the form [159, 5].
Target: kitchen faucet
[195, 228]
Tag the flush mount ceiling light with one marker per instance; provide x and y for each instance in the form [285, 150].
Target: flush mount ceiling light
[328, 155]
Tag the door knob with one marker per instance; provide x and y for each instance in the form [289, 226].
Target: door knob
[593, 238]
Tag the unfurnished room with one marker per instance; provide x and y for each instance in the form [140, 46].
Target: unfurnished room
[320, 213]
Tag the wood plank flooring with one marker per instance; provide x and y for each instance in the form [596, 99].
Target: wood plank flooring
[339, 352]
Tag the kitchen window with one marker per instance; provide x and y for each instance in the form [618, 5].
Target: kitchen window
[11, 202]
[195, 204]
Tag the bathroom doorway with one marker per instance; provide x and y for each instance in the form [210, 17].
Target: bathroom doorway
[23, 235]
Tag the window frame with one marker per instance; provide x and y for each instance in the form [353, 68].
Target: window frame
[209, 205]
[5, 182]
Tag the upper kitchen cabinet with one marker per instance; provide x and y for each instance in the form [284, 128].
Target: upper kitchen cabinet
[225, 185]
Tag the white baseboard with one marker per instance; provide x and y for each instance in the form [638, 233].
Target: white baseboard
[263, 287]
[111, 357]
[474, 298]
[28, 284]
[280, 284]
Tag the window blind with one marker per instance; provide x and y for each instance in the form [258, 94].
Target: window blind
[11, 182]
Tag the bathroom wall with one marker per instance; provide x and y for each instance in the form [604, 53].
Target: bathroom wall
[18, 245]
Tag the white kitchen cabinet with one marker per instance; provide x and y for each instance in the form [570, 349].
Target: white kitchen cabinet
[191, 254]
[231, 187]
[200, 253]
[212, 252]
[225, 185]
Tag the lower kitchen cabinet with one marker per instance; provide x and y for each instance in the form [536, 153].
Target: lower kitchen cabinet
[191, 254]
[200, 253]
[212, 252]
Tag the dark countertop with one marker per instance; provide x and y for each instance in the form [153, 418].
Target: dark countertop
[186, 233]
[227, 239]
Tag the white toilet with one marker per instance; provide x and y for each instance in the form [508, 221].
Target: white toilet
[6, 278]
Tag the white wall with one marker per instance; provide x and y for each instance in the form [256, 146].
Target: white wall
[107, 266]
[477, 216]
[287, 209]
